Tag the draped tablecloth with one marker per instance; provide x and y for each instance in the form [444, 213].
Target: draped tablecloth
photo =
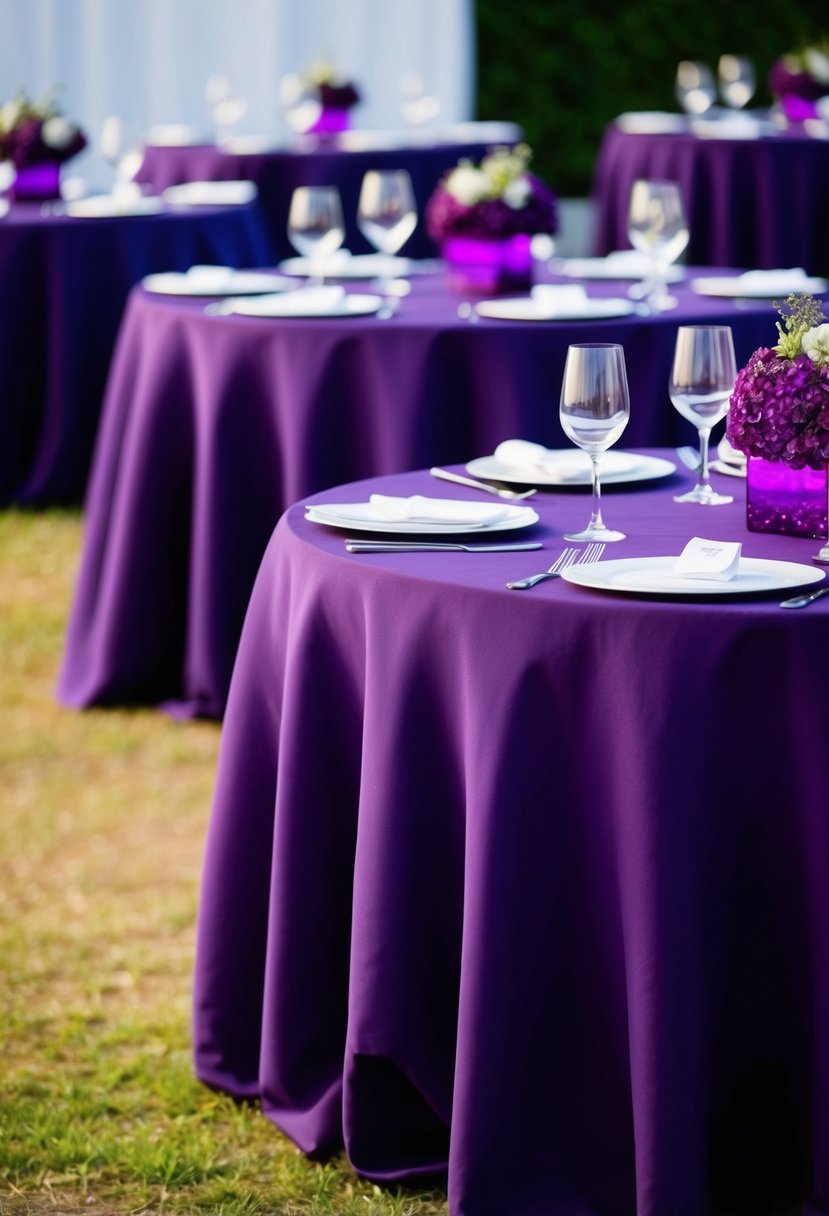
[529, 886]
[213, 425]
[755, 203]
[65, 283]
[277, 173]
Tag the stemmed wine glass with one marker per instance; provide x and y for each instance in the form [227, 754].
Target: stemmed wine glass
[121, 148]
[387, 215]
[226, 109]
[695, 88]
[702, 380]
[737, 81]
[595, 407]
[315, 225]
[658, 228]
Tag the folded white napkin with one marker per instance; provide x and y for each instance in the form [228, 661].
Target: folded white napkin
[213, 194]
[716, 560]
[314, 299]
[556, 297]
[217, 278]
[425, 510]
[566, 464]
[777, 281]
[735, 126]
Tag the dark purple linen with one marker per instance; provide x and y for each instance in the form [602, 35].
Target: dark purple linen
[214, 425]
[65, 283]
[758, 203]
[532, 887]
[278, 173]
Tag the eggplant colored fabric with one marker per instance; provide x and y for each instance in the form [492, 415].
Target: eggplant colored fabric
[65, 283]
[754, 203]
[530, 888]
[213, 425]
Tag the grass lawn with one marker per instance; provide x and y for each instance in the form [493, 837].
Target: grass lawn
[102, 822]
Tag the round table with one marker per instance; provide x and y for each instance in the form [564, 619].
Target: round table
[338, 161]
[755, 203]
[66, 281]
[213, 425]
[529, 886]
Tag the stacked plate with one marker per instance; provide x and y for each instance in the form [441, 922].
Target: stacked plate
[729, 460]
[524, 463]
[421, 516]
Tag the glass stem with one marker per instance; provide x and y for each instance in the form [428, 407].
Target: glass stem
[704, 436]
[596, 520]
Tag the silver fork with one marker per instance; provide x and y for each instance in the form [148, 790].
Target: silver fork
[567, 557]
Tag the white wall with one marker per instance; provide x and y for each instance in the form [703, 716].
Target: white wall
[148, 60]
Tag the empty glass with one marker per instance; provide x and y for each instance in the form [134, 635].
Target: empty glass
[737, 81]
[702, 381]
[315, 225]
[658, 228]
[696, 91]
[226, 109]
[121, 148]
[595, 407]
[386, 212]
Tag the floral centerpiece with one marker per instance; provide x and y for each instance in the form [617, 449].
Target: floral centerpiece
[483, 218]
[799, 79]
[319, 100]
[37, 138]
[779, 416]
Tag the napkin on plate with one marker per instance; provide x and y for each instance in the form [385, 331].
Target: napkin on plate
[534, 460]
[420, 509]
[717, 560]
[777, 282]
[216, 279]
[559, 297]
[211, 194]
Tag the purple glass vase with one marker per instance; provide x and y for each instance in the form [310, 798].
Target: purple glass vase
[330, 122]
[485, 266]
[36, 183]
[781, 499]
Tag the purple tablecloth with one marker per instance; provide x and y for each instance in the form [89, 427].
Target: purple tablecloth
[65, 282]
[758, 203]
[214, 425]
[531, 885]
[278, 173]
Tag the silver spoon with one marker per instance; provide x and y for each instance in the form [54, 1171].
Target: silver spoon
[801, 601]
[498, 491]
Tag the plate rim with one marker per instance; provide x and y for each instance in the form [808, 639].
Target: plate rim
[752, 294]
[485, 305]
[426, 529]
[347, 311]
[199, 293]
[667, 467]
[576, 574]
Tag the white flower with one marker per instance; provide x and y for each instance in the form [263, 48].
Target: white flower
[817, 64]
[468, 185]
[10, 115]
[57, 132]
[517, 193]
[815, 343]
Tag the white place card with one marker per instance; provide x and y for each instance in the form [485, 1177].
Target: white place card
[710, 559]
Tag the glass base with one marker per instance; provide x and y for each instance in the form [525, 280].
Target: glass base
[605, 534]
[704, 496]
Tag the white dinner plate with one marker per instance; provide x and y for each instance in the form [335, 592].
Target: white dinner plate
[104, 206]
[528, 309]
[729, 454]
[362, 517]
[656, 576]
[356, 266]
[292, 304]
[239, 283]
[574, 469]
[211, 194]
[736, 287]
[627, 264]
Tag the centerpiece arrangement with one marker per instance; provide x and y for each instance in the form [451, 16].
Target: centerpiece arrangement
[319, 100]
[37, 139]
[483, 218]
[799, 79]
[779, 416]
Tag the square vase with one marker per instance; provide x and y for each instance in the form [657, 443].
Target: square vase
[482, 266]
[785, 500]
[36, 183]
[331, 121]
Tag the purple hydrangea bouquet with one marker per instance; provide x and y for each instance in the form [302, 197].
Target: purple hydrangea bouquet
[483, 216]
[319, 100]
[36, 138]
[799, 79]
[779, 416]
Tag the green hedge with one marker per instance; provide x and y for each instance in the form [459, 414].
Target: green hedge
[564, 69]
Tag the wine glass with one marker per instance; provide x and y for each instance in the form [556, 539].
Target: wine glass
[418, 106]
[315, 225]
[702, 380]
[737, 81]
[387, 214]
[658, 228]
[595, 408]
[121, 148]
[226, 109]
[695, 88]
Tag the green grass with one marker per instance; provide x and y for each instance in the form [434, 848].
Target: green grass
[99, 1110]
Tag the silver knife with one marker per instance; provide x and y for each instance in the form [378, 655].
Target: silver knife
[392, 546]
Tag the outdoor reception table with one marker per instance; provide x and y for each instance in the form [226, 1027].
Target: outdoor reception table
[65, 281]
[213, 425]
[750, 202]
[531, 884]
[335, 161]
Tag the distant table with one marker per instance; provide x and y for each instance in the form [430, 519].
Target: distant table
[214, 425]
[529, 886]
[753, 203]
[338, 161]
[65, 282]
